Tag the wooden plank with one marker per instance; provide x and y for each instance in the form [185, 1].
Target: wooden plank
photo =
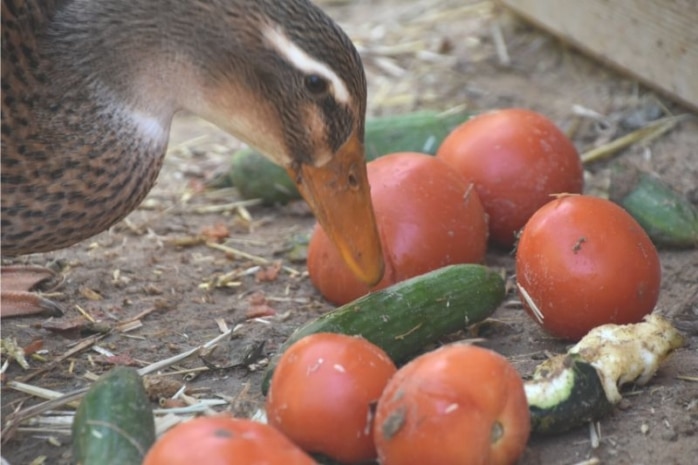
[656, 41]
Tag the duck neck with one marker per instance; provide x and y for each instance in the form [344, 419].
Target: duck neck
[136, 57]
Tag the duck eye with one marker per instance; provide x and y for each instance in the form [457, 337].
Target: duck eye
[316, 84]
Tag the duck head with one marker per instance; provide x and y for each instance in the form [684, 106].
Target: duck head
[296, 91]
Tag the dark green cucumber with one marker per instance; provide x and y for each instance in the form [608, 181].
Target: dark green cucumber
[114, 422]
[404, 318]
[669, 219]
[565, 393]
[421, 131]
[256, 177]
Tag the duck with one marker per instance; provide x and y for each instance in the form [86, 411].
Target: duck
[90, 88]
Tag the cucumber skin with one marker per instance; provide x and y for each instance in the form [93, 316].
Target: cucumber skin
[256, 177]
[586, 401]
[668, 218]
[421, 131]
[114, 423]
[402, 319]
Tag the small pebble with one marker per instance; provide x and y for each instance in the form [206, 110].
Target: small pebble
[669, 435]
[624, 404]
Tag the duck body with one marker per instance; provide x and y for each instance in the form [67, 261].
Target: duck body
[90, 87]
[73, 161]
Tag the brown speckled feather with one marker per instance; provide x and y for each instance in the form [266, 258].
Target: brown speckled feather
[67, 173]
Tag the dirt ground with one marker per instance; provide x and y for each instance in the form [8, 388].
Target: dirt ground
[418, 55]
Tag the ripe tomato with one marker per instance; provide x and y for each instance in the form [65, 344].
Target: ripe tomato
[584, 262]
[428, 217]
[517, 159]
[457, 405]
[222, 440]
[322, 393]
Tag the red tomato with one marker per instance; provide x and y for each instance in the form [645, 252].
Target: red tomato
[584, 262]
[428, 217]
[322, 393]
[517, 159]
[222, 440]
[457, 405]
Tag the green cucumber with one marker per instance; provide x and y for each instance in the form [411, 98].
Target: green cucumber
[114, 423]
[421, 131]
[404, 318]
[669, 219]
[565, 392]
[256, 177]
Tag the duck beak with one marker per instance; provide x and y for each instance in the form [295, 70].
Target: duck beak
[339, 194]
